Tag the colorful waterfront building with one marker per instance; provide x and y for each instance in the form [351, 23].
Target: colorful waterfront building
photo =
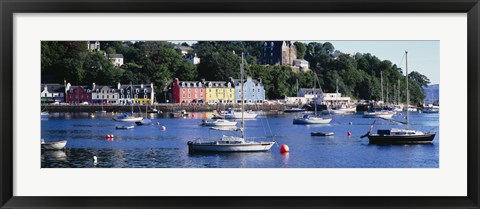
[78, 94]
[188, 91]
[104, 94]
[219, 91]
[51, 93]
[136, 93]
[253, 88]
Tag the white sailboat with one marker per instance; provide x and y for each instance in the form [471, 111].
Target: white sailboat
[309, 118]
[128, 117]
[231, 143]
[400, 136]
[385, 114]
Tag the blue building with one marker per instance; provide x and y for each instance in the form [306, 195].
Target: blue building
[253, 88]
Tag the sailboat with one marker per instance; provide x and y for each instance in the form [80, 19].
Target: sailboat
[127, 117]
[309, 118]
[382, 113]
[101, 111]
[400, 136]
[231, 143]
[145, 121]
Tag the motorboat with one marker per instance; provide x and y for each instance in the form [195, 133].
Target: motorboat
[219, 122]
[53, 145]
[321, 133]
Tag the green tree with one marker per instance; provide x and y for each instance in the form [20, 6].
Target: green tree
[301, 49]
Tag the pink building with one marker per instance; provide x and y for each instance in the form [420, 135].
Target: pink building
[188, 91]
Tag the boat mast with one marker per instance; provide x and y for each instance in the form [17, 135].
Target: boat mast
[242, 126]
[387, 94]
[381, 84]
[315, 93]
[406, 79]
[398, 92]
[131, 95]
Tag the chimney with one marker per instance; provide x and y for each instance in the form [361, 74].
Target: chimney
[45, 88]
[68, 86]
[260, 80]
[141, 86]
[119, 86]
[93, 86]
[203, 80]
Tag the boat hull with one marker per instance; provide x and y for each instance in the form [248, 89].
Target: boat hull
[321, 134]
[128, 119]
[412, 139]
[224, 123]
[311, 121]
[382, 115]
[239, 116]
[54, 145]
[293, 110]
[212, 147]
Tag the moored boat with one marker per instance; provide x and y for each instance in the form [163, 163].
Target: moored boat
[144, 122]
[311, 119]
[53, 145]
[400, 136]
[127, 118]
[125, 127]
[231, 143]
[219, 122]
[293, 110]
[321, 133]
[379, 114]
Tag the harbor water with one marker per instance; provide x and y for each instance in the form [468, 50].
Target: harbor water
[152, 147]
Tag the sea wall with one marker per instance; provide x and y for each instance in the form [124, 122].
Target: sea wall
[160, 107]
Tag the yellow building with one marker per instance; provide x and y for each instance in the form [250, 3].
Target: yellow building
[219, 92]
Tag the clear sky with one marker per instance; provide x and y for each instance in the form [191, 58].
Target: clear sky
[423, 56]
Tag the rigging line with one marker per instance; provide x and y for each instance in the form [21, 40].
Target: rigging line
[401, 61]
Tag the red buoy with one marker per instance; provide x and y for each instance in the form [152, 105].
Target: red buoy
[284, 148]
[349, 134]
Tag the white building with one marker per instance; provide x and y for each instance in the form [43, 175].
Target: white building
[116, 59]
[333, 100]
[104, 94]
[194, 59]
[93, 45]
[302, 64]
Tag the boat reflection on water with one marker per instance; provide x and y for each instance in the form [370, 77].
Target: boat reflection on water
[57, 155]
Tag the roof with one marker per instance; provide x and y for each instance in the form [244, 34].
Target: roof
[255, 81]
[53, 87]
[115, 56]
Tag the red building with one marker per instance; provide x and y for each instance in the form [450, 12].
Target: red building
[188, 91]
[78, 94]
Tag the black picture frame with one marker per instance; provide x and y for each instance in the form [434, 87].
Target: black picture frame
[10, 7]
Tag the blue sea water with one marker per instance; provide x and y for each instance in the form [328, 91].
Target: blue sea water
[150, 147]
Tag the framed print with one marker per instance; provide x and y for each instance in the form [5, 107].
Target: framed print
[266, 104]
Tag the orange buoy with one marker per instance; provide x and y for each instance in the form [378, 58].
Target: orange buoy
[349, 134]
[284, 148]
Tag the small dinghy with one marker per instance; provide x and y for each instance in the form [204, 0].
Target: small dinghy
[124, 127]
[53, 145]
[321, 134]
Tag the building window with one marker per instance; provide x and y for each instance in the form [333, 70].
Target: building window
[103, 96]
[183, 95]
[183, 90]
